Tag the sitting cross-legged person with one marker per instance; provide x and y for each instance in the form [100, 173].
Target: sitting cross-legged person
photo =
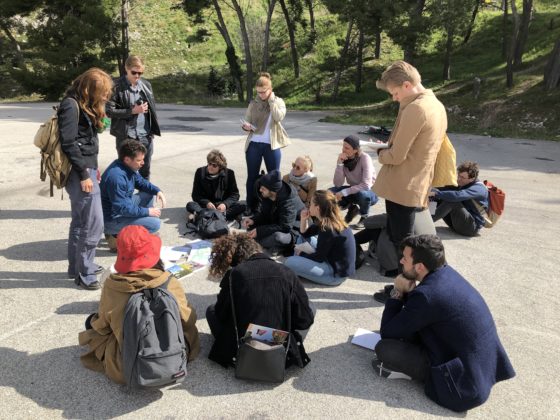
[138, 267]
[302, 178]
[215, 187]
[334, 257]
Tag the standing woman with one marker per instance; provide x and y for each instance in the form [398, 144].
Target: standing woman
[79, 117]
[334, 259]
[266, 134]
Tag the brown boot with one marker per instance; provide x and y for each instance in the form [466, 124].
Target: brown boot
[111, 242]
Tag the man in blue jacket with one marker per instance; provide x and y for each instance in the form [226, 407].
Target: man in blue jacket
[462, 207]
[121, 206]
[437, 329]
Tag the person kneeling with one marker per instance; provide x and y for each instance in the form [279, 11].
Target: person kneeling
[215, 188]
[138, 268]
[334, 258]
[439, 331]
[263, 291]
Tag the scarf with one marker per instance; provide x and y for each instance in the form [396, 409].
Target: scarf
[350, 164]
[260, 112]
[302, 180]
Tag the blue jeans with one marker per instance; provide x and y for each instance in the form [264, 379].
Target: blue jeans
[254, 155]
[317, 272]
[86, 227]
[364, 199]
[141, 199]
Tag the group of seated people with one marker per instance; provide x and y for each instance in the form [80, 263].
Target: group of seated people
[430, 312]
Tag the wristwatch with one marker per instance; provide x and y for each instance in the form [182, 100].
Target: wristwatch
[395, 294]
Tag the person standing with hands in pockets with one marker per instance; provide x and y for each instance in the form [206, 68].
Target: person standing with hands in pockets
[266, 134]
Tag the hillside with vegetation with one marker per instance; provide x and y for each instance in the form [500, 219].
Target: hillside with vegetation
[340, 48]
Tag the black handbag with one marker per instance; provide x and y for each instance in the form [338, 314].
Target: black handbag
[256, 360]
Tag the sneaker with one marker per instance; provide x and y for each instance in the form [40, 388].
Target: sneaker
[360, 259]
[97, 272]
[92, 286]
[387, 373]
[381, 297]
[360, 224]
[353, 211]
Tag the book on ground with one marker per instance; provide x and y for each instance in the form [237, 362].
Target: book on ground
[365, 338]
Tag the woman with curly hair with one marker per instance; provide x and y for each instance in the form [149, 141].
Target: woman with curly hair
[264, 293]
[79, 118]
[334, 258]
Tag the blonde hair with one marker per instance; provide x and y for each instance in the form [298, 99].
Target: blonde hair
[307, 160]
[398, 73]
[329, 212]
[92, 89]
[134, 61]
[264, 80]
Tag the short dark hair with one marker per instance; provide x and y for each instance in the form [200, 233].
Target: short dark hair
[470, 167]
[426, 249]
[131, 148]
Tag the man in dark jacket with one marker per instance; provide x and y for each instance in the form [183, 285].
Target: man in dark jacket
[461, 206]
[215, 188]
[132, 110]
[121, 206]
[276, 214]
[440, 331]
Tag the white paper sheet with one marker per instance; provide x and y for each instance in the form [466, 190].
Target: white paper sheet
[366, 338]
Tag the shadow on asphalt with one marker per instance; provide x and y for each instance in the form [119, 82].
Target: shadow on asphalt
[34, 214]
[54, 250]
[34, 280]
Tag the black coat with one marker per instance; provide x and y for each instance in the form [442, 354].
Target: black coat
[278, 215]
[265, 293]
[119, 108]
[222, 189]
[78, 138]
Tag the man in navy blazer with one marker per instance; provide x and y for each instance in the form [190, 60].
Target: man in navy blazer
[436, 328]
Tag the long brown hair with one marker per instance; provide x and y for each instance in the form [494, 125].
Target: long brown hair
[92, 89]
[231, 250]
[330, 217]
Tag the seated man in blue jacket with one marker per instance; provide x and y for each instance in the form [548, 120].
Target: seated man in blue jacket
[121, 205]
[455, 204]
[437, 329]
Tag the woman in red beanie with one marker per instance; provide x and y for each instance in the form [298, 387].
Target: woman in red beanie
[138, 267]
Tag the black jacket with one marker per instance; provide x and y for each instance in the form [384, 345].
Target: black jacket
[119, 108]
[222, 189]
[279, 215]
[78, 138]
[265, 293]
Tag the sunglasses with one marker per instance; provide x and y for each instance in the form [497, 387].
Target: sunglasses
[136, 73]
[295, 166]
[213, 165]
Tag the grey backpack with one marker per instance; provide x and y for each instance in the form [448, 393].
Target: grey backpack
[154, 351]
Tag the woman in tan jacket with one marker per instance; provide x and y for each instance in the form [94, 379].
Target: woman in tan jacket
[302, 178]
[138, 267]
[263, 122]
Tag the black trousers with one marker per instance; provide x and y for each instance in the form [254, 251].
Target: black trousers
[231, 212]
[456, 216]
[400, 224]
[404, 356]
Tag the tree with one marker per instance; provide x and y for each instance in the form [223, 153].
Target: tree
[471, 23]
[409, 27]
[552, 69]
[270, 10]
[342, 60]
[512, 45]
[290, 23]
[523, 33]
[247, 48]
[9, 9]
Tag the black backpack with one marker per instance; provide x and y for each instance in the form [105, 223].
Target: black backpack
[209, 223]
[154, 351]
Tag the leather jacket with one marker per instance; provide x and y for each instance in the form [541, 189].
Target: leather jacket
[119, 108]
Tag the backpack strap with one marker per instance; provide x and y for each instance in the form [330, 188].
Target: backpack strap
[149, 293]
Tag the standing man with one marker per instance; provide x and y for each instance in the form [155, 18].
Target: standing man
[132, 110]
[121, 206]
[437, 329]
[408, 164]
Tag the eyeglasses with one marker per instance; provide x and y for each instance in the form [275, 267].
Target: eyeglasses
[213, 165]
[260, 92]
[136, 73]
[299, 168]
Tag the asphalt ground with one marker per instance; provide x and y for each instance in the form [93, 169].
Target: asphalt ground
[514, 266]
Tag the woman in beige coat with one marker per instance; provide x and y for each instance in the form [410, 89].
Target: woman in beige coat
[138, 267]
[263, 122]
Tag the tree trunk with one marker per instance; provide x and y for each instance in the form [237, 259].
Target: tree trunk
[231, 56]
[523, 32]
[471, 23]
[18, 55]
[271, 4]
[125, 47]
[552, 69]
[505, 34]
[511, 49]
[312, 30]
[415, 17]
[342, 62]
[247, 47]
[291, 33]
[377, 30]
[359, 62]
[448, 50]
